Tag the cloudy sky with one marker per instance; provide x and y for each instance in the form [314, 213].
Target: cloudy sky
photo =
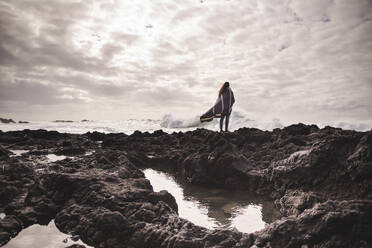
[296, 60]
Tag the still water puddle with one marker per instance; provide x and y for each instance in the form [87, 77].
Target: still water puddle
[54, 158]
[88, 153]
[18, 152]
[42, 237]
[216, 208]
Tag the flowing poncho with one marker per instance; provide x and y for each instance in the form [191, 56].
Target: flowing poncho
[222, 106]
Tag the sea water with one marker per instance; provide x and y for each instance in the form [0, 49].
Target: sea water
[216, 208]
[54, 158]
[41, 236]
[168, 124]
[17, 153]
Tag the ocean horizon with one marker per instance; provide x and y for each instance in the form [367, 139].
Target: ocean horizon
[168, 124]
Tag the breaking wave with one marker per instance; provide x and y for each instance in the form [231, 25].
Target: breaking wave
[168, 121]
[237, 120]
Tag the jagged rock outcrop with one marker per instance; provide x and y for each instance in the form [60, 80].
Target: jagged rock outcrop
[320, 180]
[328, 161]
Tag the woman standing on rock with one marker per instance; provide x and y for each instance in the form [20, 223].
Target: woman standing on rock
[222, 108]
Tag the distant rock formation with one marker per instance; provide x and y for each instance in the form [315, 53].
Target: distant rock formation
[3, 120]
[63, 121]
[23, 122]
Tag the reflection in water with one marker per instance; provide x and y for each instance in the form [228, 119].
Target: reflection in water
[213, 208]
[2, 215]
[42, 237]
[54, 158]
[17, 152]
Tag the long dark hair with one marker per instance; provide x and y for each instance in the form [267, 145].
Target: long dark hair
[224, 86]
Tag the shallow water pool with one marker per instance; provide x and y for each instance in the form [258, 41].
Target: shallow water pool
[42, 237]
[54, 157]
[18, 152]
[216, 208]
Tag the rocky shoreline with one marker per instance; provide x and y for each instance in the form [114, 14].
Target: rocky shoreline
[320, 179]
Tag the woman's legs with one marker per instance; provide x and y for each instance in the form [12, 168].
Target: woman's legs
[221, 122]
[227, 122]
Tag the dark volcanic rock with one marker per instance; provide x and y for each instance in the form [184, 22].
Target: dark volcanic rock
[70, 150]
[297, 157]
[330, 224]
[321, 180]
[10, 224]
[15, 178]
[4, 153]
[295, 202]
[48, 135]
[76, 246]
[9, 227]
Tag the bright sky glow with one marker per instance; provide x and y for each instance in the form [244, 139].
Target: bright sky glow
[296, 60]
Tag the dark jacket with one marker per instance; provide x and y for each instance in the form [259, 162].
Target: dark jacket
[222, 106]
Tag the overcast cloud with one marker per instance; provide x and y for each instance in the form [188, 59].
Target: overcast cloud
[296, 60]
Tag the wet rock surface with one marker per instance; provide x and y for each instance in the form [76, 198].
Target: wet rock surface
[320, 179]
